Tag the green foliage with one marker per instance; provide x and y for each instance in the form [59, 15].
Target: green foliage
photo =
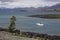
[12, 24]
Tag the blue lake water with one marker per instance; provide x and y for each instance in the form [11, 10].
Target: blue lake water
[51, 26]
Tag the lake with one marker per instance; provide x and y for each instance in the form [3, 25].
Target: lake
[24, 23]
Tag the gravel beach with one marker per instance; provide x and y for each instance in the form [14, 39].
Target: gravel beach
[9, 36]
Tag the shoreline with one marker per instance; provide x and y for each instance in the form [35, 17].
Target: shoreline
[46, 16]
[32, 34]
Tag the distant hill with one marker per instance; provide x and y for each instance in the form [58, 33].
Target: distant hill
[55, 7]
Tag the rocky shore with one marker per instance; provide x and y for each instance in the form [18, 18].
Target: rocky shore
[18, 35]
[9, 36]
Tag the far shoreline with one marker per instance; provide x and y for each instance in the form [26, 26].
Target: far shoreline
[46, 16]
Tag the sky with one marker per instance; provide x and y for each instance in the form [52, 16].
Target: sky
[27, 3]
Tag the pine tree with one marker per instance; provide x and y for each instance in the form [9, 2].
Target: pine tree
[12, 24]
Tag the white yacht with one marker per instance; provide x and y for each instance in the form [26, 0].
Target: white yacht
[39, 24]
